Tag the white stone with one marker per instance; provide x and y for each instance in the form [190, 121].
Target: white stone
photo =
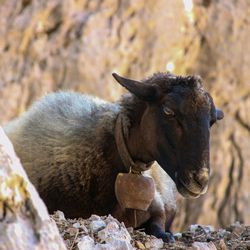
[206, 228]
[112, 230]
[95, 217]
[222, 233]
[86, 243]
[193, 227]
[84, 228]
[76, 225]
[110, 218]
[115, 237]
[60, 215]
[114, 245]
[178, 235]
[97, 225]
[203, 246]
[154, 243]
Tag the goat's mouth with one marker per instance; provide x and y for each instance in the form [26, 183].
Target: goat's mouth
[186, 190]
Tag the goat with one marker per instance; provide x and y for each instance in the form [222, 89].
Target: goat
[69, 146]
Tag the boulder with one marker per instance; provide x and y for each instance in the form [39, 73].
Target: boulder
[24, 219]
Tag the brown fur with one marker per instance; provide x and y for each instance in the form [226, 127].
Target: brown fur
[67, 146]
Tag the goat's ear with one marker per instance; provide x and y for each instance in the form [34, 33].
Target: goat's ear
[143, 91]
[219, 114]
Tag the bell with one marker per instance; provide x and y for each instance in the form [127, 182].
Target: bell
[134, 191]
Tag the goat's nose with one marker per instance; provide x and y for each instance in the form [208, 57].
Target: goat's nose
[202, 177]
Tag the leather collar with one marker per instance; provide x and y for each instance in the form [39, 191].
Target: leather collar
[129, 163]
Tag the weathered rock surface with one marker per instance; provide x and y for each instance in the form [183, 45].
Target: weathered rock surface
[24, 222]
[223, 62]
[49, 45]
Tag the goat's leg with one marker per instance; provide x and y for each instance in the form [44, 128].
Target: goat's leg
[156, 226]
[169, 221]
[160, 221]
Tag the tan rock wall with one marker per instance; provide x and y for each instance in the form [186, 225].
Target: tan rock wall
[223, 61]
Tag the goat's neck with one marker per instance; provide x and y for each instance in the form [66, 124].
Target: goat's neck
[132, 111]
[137, 147]
[131, 147]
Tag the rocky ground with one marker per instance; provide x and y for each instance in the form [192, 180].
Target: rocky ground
[101, 233]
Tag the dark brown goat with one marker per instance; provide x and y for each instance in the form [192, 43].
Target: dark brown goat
[73, 146]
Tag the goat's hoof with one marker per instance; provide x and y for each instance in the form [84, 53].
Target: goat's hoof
[170, 237]
[167, 237]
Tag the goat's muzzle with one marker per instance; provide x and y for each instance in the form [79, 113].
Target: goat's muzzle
[192, 185]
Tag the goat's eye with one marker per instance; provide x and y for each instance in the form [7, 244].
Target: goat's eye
[168, 111]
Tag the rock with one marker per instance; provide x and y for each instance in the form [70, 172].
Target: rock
[60, 215]
[115, 236]
[76, 225]
[228, 81]
[72, 231]
[86, 243]
[154, 243]
[237, 228]
[193, 227]
[25, 223]
[222, 245]
[97, 225]
[94, 217]
[110, 218]
[178, 235]
[203, 246]
[130, 230]
[206, 228]
[222, 233]
[114, 244]
[139, 245]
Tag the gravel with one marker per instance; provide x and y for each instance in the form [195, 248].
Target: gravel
[105, 232]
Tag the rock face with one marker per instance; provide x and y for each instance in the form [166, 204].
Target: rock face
[222, 61]
[50, 45]
[24, 222]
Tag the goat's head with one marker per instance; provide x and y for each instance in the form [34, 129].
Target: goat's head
[176, 125]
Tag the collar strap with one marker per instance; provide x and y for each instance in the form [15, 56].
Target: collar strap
[129, 163]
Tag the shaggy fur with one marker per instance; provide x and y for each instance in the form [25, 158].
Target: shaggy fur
[66, 143]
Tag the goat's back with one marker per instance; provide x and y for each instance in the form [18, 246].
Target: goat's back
[58, 140]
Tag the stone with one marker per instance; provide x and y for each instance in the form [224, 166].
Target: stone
[139, 245]
[95, 217]
[206, 228]
[115, 244]
[222, 245]
[77, 225]
[72, 231]
[25, 222]
[178, 235]
[86, 243]
[193, 227]
[97, 225]
[237, 228]
[115, 236]
[223, 232]
[203, 246]
[154, 243]
[60, 215]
